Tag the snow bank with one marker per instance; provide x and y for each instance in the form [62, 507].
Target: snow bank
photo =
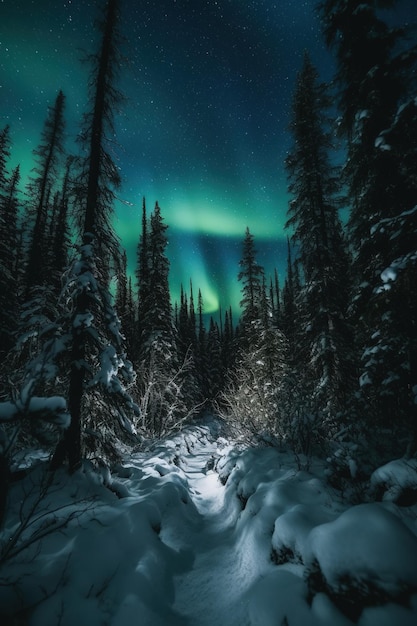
[290, 540]
[367, 548]
[101, 558]
[391, 481]
[346, 561]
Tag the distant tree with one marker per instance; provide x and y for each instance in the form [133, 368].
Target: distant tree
[157, 314]
[290, 321]
[4, 155]
[183, 321]
[9, 279]
[251, 276]
[250, 397]
[60, 235]
[142, 276]
[49, 155]
[228, 343]
[160, 368]
[130, 324]
[214, 368]
[125, 305]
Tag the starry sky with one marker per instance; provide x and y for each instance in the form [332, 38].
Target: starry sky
[203, 131]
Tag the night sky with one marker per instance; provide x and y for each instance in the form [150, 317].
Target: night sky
[204, 129]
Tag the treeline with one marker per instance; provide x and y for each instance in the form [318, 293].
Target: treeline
[329, 357]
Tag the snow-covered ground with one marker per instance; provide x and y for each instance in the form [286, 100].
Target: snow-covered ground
[197, 532]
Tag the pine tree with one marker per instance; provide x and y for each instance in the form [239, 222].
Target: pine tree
[371, 80]
[275, 299]
[214, 362]
[160, 368]
[142, 276]
[251, 277]
[374, 75]
[60, 236]
[321, 250]
[228, 343]
[4, 156]
[389, 356]
[97, 361]
[49, 156]
[254, 382]
[9, 284]
[157, 314]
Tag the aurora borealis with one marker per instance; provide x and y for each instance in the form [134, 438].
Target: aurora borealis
[208, 88]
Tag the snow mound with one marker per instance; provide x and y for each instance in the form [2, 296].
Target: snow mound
[393, 481]
[367, 555]
[291, 531]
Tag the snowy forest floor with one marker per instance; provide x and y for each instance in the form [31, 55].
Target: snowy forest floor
[198, 531]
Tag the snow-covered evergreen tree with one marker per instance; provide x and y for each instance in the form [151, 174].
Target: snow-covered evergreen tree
[376, 93]
[321, 250]
[97, 362]
[160, 369]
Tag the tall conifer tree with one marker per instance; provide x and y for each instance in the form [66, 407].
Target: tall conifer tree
[321, 251]
[374, 75]
[97, 361]
[49, 155]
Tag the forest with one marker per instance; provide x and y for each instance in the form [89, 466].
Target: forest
[320, 364]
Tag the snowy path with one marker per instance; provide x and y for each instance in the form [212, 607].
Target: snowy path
[214, 587]
[177, 548]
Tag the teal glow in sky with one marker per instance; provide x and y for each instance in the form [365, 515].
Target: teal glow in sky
[204, 130]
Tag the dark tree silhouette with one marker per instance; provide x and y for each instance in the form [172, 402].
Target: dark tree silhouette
[376, 93]
[321, 250]
[49, 155]
[95, 330]
[251, 277]
[9, 310]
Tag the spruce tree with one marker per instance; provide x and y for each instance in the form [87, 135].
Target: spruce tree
[60, 235]
[49, 155]
[4, 156]
[376, 97]
[214, 362]
[9, 279]
[96, 343]
[142, 276]
[157, 314]
[250, 398]
[159, 366]
[251, 277]
[321, 250]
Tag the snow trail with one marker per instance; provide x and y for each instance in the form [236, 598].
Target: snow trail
[177, 548]
[212, 590]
